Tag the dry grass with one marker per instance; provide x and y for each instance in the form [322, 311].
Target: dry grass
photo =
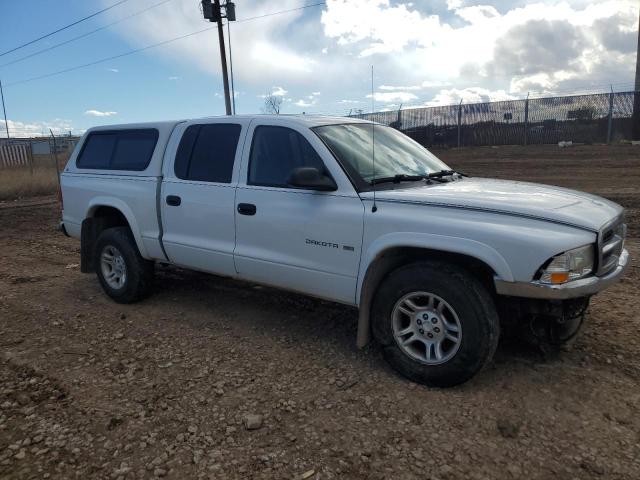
[19, 182]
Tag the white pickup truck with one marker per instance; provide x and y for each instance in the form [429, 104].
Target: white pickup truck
[350, 211]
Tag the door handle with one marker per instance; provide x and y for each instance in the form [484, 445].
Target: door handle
[247, 209]
[174, 200]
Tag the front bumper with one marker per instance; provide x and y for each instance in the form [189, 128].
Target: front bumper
[583, 287]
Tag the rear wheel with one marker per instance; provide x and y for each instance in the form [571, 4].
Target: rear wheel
[124, 275]
[436, 323]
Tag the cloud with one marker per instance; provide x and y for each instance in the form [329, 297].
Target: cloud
[378, 26]
[114, 70]
[59, 126]
[539, 82]
[98, 113]
[430, 50]
[278, 92]
[387, 97]
[434, 83]
[560, 48]
[509, 39]
[424, 85]
[617, 33]
[468, 95]
[281, 56]
[393, 88]
[310, 101]
[261, 51]
[537, 46]
[173, 78]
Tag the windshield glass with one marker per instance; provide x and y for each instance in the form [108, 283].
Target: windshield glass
[395, 153]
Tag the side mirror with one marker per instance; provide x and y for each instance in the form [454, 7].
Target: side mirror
[312, 179]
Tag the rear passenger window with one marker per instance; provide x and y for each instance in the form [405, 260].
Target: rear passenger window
[118, 149]
[276, 152]
[207, 152]
[133, 150]
[97, 150]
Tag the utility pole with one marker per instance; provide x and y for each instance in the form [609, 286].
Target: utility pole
[635, 127]
[6, 123]
[233, 90]
[211, 11]
[223, 57]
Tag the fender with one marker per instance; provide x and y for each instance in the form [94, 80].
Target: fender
[118, 204]
[465, 246]
[445, 243]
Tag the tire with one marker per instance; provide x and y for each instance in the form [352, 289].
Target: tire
[459, 302]
[119, 245]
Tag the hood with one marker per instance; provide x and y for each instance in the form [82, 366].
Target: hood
[534, 200]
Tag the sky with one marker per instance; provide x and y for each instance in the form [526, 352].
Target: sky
[317, 59]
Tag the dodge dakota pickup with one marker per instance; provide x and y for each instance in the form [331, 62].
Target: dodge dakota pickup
[437, 263]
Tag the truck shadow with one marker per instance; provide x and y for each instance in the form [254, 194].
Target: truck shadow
[295, 319]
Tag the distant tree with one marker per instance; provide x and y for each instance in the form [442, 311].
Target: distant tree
[272, 104]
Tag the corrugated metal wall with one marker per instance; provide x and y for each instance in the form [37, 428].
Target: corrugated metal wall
[14, 155]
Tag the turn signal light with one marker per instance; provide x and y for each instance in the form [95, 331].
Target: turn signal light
[559, 277]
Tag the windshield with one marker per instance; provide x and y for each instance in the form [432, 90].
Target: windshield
[395, 153]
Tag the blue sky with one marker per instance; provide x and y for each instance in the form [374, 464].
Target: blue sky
[317, 59]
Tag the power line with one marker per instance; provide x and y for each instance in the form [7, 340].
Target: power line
[6, 123]
[83, 35]
[102, 60]
[63, 28]
[148, 47]
[281, 12]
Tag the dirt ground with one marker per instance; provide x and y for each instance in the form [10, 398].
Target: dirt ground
[168, 387]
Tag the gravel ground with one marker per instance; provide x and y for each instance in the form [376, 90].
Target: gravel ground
[214, 378]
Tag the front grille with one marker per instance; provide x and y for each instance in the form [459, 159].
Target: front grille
[610, 245]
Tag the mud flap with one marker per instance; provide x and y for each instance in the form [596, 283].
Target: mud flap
[88, 235]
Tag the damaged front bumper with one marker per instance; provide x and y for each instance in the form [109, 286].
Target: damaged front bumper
[584, 287]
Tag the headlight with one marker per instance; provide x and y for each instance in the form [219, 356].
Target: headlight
[569, 265]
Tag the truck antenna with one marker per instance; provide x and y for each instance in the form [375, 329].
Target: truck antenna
[374, 208]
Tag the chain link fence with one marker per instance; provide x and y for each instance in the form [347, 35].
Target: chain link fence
[596, 118]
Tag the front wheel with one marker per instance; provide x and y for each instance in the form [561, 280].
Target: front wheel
[436, 323]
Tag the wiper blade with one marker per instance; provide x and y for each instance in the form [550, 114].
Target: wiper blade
[397, 179]
[443, 173]
[401, 177]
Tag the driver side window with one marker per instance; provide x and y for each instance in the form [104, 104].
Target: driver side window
[275, 152]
